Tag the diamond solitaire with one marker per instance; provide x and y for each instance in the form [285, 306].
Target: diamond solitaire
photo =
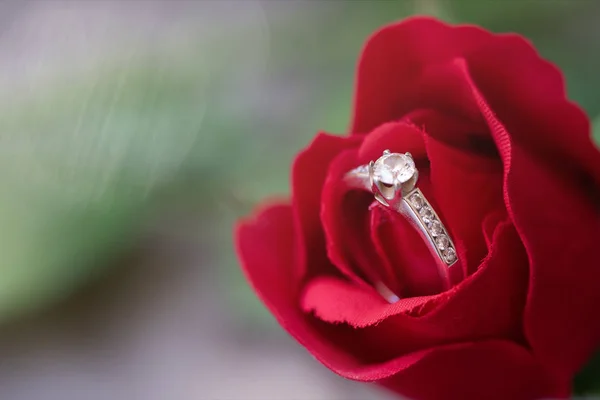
[392, 176]
[393, 168]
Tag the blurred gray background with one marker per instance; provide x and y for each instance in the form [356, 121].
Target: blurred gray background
[134, 133]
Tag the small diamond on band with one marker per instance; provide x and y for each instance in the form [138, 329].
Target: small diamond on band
[426, 215]
[442, 242]
[436, 228]
[417, 201]
[449, 255]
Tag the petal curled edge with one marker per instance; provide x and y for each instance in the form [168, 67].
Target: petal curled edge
[393, 60]
[559, 223]
[528, 95]
[309, 171]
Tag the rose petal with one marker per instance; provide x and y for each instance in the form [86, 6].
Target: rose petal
[336, 301]
[559, 223]
[527, 94]
[345, 219]
[399, 137]
[308, 176]
[266, 248]
[380, 216]
[393, 61]
[467, 187]
[489, 224]
[470, 135]
[265, 245]
[492, 370]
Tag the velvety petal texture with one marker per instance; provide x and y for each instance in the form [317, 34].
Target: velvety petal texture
[507, 162]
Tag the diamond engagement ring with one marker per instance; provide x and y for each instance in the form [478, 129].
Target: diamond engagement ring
[392, 180]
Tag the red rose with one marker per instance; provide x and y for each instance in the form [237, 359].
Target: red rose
[508, 163]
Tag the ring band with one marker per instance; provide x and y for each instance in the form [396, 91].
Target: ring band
[392, 180]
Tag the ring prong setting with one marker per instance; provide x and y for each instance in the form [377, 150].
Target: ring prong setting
[391, 176]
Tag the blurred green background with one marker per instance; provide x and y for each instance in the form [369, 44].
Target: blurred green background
[133, 134]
